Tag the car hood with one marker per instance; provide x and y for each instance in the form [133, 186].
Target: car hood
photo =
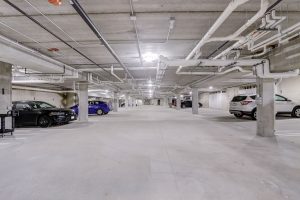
[57, 109]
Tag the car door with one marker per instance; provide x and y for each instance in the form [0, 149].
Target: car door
[26, 114]
[91, 106]
[283, 105]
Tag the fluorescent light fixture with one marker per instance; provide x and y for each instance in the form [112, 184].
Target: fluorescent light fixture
[211, 87]
[190, 93]
[150, 57]
[181, 96]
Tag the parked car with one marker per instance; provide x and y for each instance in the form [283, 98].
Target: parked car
[246, 105]
[41, 114]
[95, 107]
[188, 104]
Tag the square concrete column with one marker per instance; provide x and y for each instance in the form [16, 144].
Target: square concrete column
[178, 102]
[195, 101]
[166, 102]
[83, 96]
[116, 102]
[126, 100]
[266, 107]
[5, 91]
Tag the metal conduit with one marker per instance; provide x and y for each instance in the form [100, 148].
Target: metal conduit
[56, 36]
[92, 26]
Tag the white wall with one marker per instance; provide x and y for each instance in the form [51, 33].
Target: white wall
[290, 88]
[52, 98]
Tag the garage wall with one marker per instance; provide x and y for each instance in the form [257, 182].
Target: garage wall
[52, 98]
[220, 100]
[290, 88]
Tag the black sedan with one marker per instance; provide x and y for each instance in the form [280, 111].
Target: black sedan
[188, 104]
[41, 114]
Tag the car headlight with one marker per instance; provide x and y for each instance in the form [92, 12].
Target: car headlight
[56, 113]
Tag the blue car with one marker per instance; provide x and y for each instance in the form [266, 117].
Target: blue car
[95, 107]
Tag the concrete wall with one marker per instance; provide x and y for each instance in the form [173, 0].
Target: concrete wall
[287, 87]
[52, 98]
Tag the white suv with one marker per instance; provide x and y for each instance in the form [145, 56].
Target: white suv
[246, 105]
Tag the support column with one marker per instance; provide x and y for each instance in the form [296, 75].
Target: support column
[5, 92]
[116, 102]
[5, 87]
[178, 102]
[266, 107]
[83, 96]
[126, 100]
[195, 101]
[166, 102]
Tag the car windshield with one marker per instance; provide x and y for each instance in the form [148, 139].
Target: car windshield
[239, 98]
[40, 104]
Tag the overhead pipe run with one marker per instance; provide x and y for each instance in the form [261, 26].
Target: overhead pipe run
[92, 26]
[263, 71]
[52, 33]
[115, 75]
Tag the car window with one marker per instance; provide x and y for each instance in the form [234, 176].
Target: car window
[22, 106]
[280, 98]
[239, 98]
[40, 104]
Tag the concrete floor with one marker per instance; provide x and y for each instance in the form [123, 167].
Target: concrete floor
[152, 153]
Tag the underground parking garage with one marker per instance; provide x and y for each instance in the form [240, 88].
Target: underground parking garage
[136, 99]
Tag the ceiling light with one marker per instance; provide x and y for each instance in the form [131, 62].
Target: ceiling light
[55, 2]
[150, 57]
[211, 87]
[191, 93]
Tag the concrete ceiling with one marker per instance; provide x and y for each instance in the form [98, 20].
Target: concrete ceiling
[112, 17]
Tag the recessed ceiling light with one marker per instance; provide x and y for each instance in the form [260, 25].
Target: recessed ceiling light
[55, 2]
[150, 57]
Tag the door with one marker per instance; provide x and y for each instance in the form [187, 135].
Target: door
[26, 114]
[283, 105]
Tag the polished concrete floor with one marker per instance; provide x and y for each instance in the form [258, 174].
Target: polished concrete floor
[152, 153]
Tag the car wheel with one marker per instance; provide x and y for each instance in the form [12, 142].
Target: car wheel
[254, 114]
[99, 112]
[44, 121]
[238, 115]
[296, 112]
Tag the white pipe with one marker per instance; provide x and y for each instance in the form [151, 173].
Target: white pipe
[234, 4]
[41, 89]
[263, 71]
[19, 54]
[115, 75]
[235, 36]
[217, 73]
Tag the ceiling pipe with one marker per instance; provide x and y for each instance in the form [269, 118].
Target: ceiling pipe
[234, 4]
[115, 75]
[236, 35]
[217, 73]
[18, 54]
[263, 71]
[92, 26]
[41, 89]
[53, 34]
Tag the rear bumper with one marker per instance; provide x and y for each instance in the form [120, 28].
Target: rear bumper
[240, 111]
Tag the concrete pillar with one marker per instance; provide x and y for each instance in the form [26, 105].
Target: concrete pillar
[166, 102]
[178, 102]
[5, 91]
[195, 101]
[126, 100]
[83, 102]
[116, 102]
[5, 87]
[266, 107]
